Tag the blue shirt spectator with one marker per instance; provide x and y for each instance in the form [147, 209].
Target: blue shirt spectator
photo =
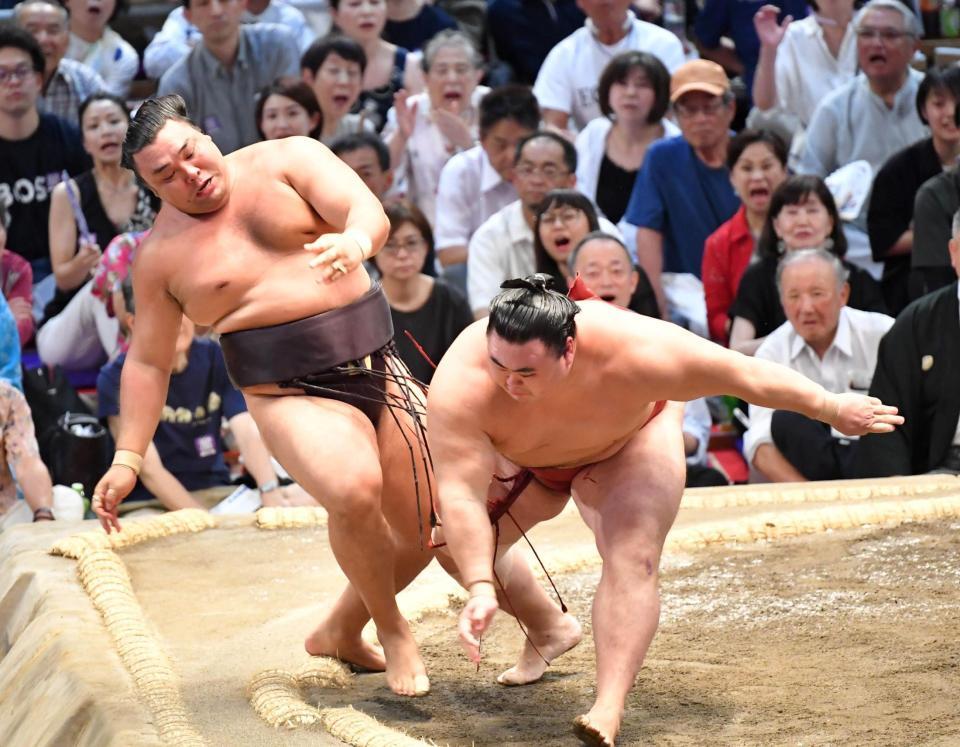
[188, 437]
[678, 195]
[9, 347]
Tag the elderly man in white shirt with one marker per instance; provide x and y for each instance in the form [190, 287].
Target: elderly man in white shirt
[566, 85]
[178, 36]
[477, 183]
[502, 248]
[828, 342]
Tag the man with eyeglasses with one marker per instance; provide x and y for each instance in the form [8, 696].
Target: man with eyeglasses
[35, 149]
[875, 114]
[683, 193]
[502, 247]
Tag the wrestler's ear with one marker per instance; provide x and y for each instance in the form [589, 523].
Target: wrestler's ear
[569, 350]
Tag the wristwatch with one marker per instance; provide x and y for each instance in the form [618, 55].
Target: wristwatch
[268, 487]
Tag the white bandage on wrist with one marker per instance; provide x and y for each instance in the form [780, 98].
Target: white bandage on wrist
[363, 241]
[129, 459]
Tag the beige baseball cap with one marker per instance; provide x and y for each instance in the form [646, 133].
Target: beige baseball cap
[698, 75]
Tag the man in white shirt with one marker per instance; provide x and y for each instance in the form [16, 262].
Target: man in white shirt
[827, 342]
[178, 35]
[502, 248]
[477, 183]
[567, 82]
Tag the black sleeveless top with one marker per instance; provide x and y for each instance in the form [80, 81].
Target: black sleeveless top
[377, 102]
[100, 225]
[614, 187]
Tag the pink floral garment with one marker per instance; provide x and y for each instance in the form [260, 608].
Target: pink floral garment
[112, 270]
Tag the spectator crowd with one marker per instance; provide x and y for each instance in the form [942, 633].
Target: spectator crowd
[781, 180]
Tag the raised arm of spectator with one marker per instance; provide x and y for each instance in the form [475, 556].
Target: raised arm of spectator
[71, 267]
[770, 34]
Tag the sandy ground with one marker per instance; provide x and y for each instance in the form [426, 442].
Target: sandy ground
[841, 638]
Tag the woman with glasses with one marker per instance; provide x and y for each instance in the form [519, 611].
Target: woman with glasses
[634, 93]
[801, 62]
[431, 311]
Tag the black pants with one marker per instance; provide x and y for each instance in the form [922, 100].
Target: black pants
[701, 476]
[808, 445]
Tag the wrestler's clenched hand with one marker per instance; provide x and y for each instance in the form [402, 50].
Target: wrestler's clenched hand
[857, 414]
[338, 254]
[113, 487]
[474, 620]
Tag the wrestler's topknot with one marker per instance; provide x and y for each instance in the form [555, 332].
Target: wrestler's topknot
[531, 308]
[152, 115]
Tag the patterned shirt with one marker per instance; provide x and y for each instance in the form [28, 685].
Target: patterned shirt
[70, 85]
[18, 441]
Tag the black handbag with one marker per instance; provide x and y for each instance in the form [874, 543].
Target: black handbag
[80, 451]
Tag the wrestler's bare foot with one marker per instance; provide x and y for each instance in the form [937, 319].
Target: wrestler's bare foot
[597, 727]
[406, 674]
[552, 643]
[355, 652]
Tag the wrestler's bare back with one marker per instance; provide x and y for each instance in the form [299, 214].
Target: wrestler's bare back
[244, 265]
[623, 364]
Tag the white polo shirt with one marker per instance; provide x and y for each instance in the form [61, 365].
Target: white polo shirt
[848, 364]
[470, 191]
[568, 78]
[502, 248]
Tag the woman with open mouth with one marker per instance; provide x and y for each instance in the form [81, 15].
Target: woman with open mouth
[563, 219]
[389, 67]
[757, 160]
[802, 215]
[424, 130]
[86, 213]
[333, 67]
[98, 46]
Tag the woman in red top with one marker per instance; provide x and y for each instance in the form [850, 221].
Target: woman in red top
[757, 160]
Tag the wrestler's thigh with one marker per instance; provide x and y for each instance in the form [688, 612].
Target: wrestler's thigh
[535, 504]
[636, 492]
[328, 447]
[407, 475]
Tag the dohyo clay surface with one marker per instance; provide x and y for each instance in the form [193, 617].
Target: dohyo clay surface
[791, 614]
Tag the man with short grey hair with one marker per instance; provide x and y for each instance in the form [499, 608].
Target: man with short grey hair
[828, 342]
[875, 114]
[220, 77]
[66, 83]
[917, 368]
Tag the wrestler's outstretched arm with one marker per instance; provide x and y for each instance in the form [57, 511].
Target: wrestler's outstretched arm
[144, 380]
[338, 196]
[464, 461]
[702, 368]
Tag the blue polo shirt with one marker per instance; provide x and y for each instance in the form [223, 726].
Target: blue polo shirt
[734, 19]
[682, 198]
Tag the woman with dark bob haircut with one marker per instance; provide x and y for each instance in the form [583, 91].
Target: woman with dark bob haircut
[288, 107]
[634, 94]
[802, 215]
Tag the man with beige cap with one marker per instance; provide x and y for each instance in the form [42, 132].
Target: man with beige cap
[683, 191]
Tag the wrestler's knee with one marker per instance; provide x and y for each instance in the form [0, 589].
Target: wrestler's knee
[634, 553]
[355, 491]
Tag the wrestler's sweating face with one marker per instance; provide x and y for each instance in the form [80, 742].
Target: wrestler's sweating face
[528, 370]
[184, 168]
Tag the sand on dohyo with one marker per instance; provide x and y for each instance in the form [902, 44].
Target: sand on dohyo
[791, 615]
